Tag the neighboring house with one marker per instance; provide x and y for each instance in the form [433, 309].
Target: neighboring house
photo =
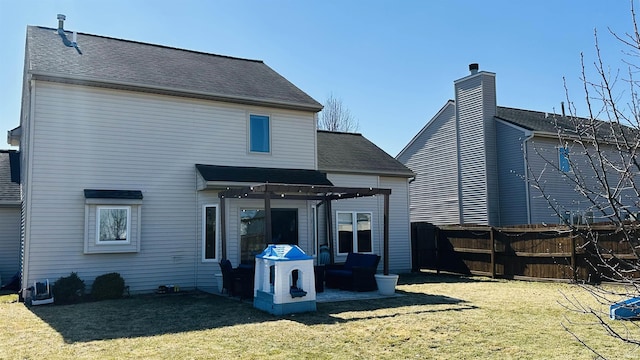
[474, 162]
[9, 215]
[148, 160]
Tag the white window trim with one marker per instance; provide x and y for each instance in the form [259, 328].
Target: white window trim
[113, 242]
[249, 134]
[354, 223]
[204, 233]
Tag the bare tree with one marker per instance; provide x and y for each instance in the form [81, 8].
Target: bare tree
[600, 160]
[337, 117]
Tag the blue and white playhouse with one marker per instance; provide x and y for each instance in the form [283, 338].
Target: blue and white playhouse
[284, 281]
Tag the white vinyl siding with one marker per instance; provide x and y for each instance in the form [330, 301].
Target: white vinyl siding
[399, 225]
[159, 139]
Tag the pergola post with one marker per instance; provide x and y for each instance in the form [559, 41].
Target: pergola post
[386, 234]
[267, 217]
[329, 222]
[223, 229]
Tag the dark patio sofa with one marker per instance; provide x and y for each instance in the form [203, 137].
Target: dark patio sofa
[356, 274]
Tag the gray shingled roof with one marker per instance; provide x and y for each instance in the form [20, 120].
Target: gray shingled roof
[9, 191]
[349, 152]
[128, 64]
[551, 123]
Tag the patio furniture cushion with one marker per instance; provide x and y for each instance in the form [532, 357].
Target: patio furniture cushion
[357, 273]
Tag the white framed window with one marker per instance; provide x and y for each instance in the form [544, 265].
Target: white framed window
[112, 221]
[113, 225]
[259, 133]
[354, 232]
[210, 233]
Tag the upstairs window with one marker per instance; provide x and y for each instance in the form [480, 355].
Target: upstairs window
[259, 134]
[563, 159]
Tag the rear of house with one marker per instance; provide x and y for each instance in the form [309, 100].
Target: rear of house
[123, 166]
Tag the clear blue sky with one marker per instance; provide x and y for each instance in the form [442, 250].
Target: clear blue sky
[392, 63]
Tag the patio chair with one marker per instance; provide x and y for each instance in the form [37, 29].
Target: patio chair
[238, 281]
[357, 273]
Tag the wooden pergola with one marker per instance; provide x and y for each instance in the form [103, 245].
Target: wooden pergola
[304, 192]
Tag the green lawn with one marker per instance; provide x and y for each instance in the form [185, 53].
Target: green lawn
[439, 317]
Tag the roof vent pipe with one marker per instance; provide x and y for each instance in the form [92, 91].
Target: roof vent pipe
[473, 68]
[61, 19]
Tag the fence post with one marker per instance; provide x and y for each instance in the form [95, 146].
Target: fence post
[573, 256]
[493, 252]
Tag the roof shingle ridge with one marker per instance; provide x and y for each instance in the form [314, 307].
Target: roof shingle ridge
[152, 44]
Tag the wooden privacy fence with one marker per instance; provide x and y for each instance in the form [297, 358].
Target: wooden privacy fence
[524, 252]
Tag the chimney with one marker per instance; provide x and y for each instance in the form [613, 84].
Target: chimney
[473, 68]
[475, 109]
[61, 19]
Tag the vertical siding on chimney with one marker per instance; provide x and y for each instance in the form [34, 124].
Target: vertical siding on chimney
[476, 108]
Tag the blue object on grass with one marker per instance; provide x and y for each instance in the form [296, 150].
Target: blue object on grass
[625, 310]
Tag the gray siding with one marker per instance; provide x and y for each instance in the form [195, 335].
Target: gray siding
[511, 172]
[9, 242]
[84, 137]
[432, 155]
[558, 187]
[475, 101]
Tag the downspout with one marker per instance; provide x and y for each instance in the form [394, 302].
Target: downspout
[529, 136]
